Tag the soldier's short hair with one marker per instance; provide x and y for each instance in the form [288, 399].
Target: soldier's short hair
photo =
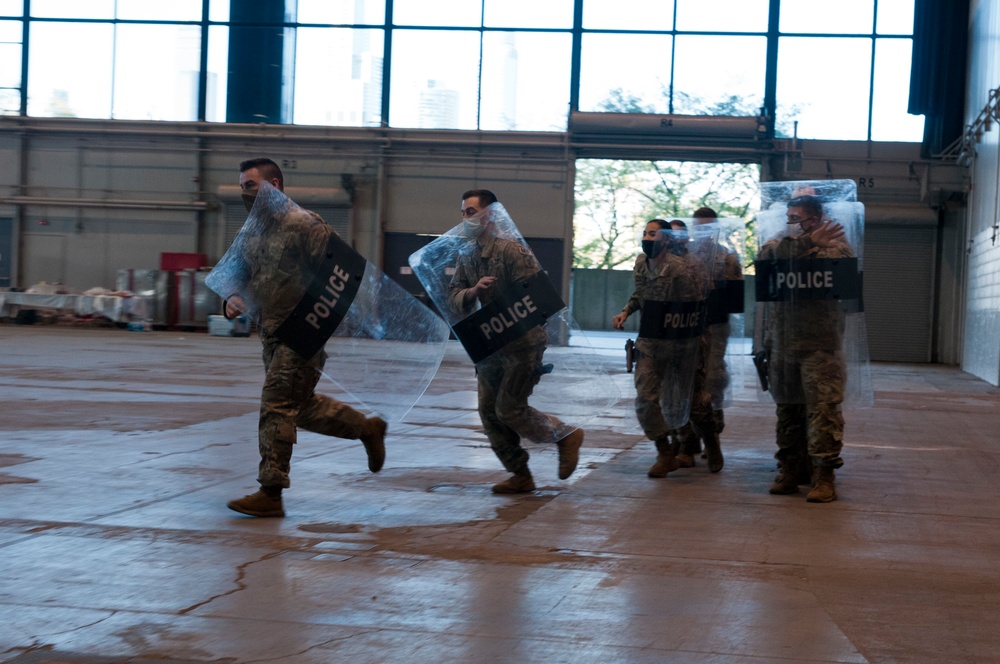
[485, 196]
[267, 168]
[811, 204]
[704, 213]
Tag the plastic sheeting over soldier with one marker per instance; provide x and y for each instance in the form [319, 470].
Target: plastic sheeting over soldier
[520, 319]
[297, 280]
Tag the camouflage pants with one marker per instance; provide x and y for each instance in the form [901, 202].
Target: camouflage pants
[663, 380]
[716, 371]
[288, 401]
[506, 380]
[702, 419]
[808, 387]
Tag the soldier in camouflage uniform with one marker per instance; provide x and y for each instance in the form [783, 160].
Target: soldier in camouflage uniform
[277, 263]
[507, 377]
[712, 375]
[673, 275]
[803, 344]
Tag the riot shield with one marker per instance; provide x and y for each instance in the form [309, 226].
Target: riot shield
[531, 358]
[301, 284]
[728, 350]
[810, 339]
[675, 283]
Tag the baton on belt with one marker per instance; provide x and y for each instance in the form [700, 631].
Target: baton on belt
[629, 355]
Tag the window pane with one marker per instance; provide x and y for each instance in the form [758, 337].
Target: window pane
[435, 79]
[79, 86]
[824, 16]
[175, 10]
[10, 73]
[218, 73]
[450, 13]
[823, 83]
[11, 7]
[170, 94]
[722, 15]
[719, 75]
[218, 10]
[529, 14]
[890, 121]
[10, 102]
[73, 8]
[338, 77]
[625, 73]
[525, 81]
[341, 11]
[628, 15]
[895, 17]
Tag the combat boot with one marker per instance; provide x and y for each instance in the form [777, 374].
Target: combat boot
[373, 438]
[823, 490]
[258, 504]
[520, 482]
[666, 461]
[569, 453]
[686, 446]
[713, 451]
[786, 482]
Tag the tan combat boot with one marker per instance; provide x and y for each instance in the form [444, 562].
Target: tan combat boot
[258, 504]
[519, 482]
[666, 461]
[823, 490]
[569, 453]
[786, 481]
[373, 438]
[713, 452]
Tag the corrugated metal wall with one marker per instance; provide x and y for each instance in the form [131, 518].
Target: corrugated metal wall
[899, 291]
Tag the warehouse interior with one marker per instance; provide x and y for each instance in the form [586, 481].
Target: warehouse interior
[126, 429]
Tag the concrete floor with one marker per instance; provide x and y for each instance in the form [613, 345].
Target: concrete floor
[119, 450]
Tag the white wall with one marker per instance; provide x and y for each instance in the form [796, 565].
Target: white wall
[981, 339]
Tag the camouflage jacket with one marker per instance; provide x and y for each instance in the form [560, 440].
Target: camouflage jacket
[672, 278]
[507, 260]
[802, 325]
[281, 263]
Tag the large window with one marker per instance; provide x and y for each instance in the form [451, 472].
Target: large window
[825, 69]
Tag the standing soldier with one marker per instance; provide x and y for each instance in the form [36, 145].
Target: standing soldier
[671, 287]
[712, 379]
[807, 288]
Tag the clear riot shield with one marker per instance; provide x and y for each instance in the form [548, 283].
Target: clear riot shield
[728, 349]
[810, 339]
[517, 332]
[300, 283]
[675, 289]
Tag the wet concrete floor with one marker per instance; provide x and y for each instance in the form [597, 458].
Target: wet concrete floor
[119, 450]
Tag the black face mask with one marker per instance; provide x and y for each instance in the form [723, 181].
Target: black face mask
[248, 196]
[651, 248]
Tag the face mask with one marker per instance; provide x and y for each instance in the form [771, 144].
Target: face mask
[473, 226]
[652, 248]
[249, 197]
